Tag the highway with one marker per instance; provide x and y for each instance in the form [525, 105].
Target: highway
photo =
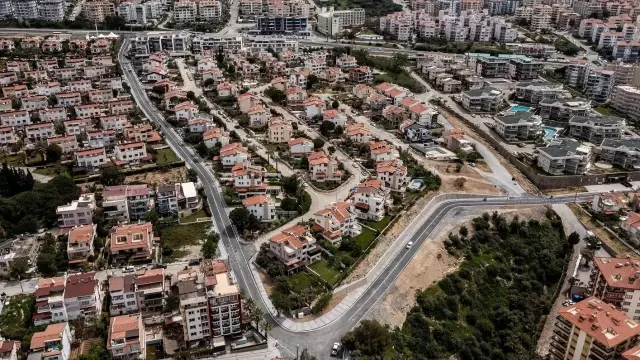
[317, 340]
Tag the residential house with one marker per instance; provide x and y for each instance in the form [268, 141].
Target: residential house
[295, 94]
[199, 125]
[233, 154]
[126, 338]
[39, 132]
[132, 153]
[279, 130]
[295, 247]
[131, 242]
[53, 114]
[337, 118]
[80, 243]
[313, 107]
[49, 307]
[7, 137]
[370, 200]
[564, 156]
[486, 99]
[215, 135]
[322, 168]
[226, 89]
[126, 202]
[82, 294]
[380, 150]
[89, 158]
[143, 290]
[262, 206]
[518, 125]
[358, 133]
[609, 203]
[393, 175]
[186, 111]
[248, 180]
[595, 129]
[78, 212]
[300, 147]
[336, 220]
[624, 153]
[258, 116]
[54, 343]
[68, 144]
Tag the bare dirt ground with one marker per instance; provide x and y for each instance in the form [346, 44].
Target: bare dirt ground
[522, 180]
[156, 178]
[335, 300]
[564, 191]
[474, 183]
[267, 282]
[191, 252]
[482, 165]
[433, 256]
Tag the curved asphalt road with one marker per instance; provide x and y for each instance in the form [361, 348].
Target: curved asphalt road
[318, 341]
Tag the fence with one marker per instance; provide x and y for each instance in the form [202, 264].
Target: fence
[541, 181]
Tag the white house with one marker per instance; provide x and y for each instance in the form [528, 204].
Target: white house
[131, 152]
[91, 158]
[68, 144]
[370, 199]
[186, 111]
[300, 147]
[233, 154]
[54, 343]
[313, 107]
[262, 206]
[337, 118]
[213, 136]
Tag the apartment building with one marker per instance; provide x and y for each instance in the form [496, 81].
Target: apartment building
[157, 41]
[78, 212]
[49, 306]
[518, 125]
[598, 84]
[80, 243]
[626, 100]
[486, 99]
[595, 129]
[98, 11]
[370, 200]
[127, 202]
[533, 91]
[132, 153]
[336, 220]
[564, 156]
[295, 247]
[7, 136]
[560, 111]
[101, 138]
[68, 144]
[131, 242]
[524, 68]
[331, 22]
[193, 305]
[39, 132]
[16, 119]
[613, 280]
[82, 294]
[592, 329]
[624, 153]
[141, 291]
[91, 158]
[54, 343]
[126, 337]
[207, 42]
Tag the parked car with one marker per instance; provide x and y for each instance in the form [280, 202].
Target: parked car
[626, 183]
[194, 262]
[335, 349]
[128, 269]
[160, 266]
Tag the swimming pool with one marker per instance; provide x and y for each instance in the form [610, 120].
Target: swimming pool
[520, 108]
[549, 132]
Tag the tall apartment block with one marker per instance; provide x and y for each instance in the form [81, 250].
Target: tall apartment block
[331, 22]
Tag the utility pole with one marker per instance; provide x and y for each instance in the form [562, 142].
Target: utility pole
[297, 351]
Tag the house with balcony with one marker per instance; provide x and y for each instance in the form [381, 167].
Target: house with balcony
[322, 168]
[223, 297]
[215, 135]
[336, 220]
[624, 153]
[485, 99]
[126, 337]
[126, 202]
[54, 343]
[358, 133]
[80, 243]
[39, 132]
[194, 308]
[370, 200]
[82, 295]
[49, 306]
[610, 203]
[381, 151]
[279, 130]
[78, 212]
[592, 329]
[167, 199]
[595, 129]
[131, 242]
[9, 349]
[248, 180]
[132, 153]
[262, 206]
[616, 281]
[392, 175]
[68, 144]
[518, 125]
[142, 291]
[295, 247]
[91, 158]
[300, 147]
[334, 116]
[564, 156]
[233, 154]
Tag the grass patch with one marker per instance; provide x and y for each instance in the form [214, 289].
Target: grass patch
[301, 281]
[607, 111]
[365, 238]
[166, 156]
[15, 159]
[16, 316]
[195, 216]
[50, 170]
[174, 238]
[326, 271]
[379, 225]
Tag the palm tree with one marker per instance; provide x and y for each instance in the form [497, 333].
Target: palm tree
[266, 326]
[588, 254]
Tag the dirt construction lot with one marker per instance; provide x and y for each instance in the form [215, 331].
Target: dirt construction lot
[155, 178]
[432, 262]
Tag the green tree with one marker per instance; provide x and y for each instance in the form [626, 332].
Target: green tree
[587, 254]
[289, 204]
[304, 163]
[152, 217]
[574, 238]
[209, 249]
[338, 131]
[192, 175]
[209, 82]
[326, 127]
[318, 143]
[335, 104]
[311, 80]
[111, 176]
[281, 302]
[370, 338]
[239, 217]
[171, 304]
[53, 153]
[278, 96]
[18, 269]
[464, 231]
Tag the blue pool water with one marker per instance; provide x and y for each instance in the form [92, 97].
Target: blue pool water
[549, 132]
[520, 108]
